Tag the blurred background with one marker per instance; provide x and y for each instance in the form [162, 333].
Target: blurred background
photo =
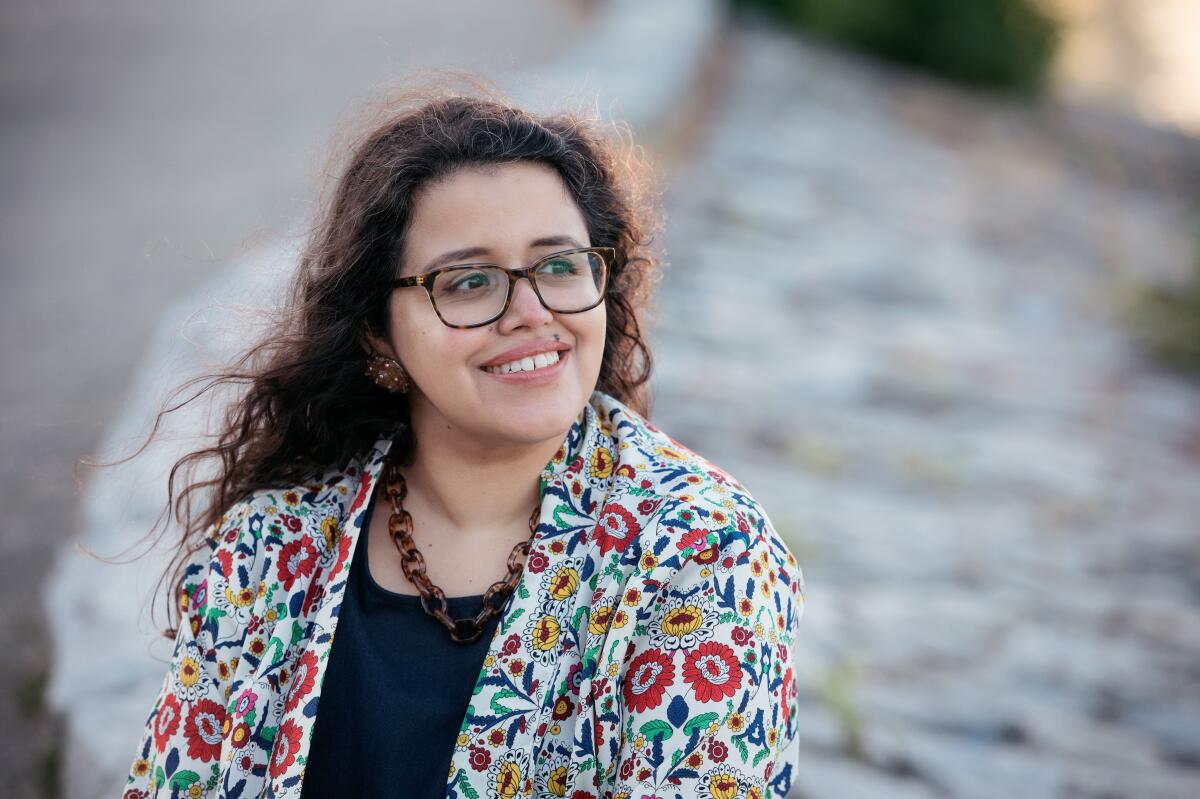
[964, 380]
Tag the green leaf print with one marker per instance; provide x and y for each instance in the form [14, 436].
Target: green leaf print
[183, 779]
[761, 754]
[657, 729]
[511, 618]
[741, 746]
[465, 786]
[503, 693]
[703, 720]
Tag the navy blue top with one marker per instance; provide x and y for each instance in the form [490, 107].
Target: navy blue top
[395, 693]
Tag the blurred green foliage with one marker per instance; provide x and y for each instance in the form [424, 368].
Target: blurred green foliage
[1005, 45]
[1167, 320]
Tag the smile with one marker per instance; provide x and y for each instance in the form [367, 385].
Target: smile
[530, 364]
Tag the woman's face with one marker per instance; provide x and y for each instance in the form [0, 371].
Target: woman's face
[509, 215]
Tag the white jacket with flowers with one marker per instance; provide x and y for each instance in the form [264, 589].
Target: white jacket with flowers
[647, 650]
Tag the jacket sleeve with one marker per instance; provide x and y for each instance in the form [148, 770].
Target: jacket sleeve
[179, 750]
[707, 687]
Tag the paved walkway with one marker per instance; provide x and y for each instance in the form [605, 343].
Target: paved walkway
[891, 311]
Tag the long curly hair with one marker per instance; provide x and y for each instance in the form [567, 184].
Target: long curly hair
[305, 403]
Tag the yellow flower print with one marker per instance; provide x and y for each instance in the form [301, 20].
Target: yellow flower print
[291, 497]
[705, 572]
[719, 518]
[341, 489]
[601, 466]
[735, 722]
[638, 742]
[195, 791]
[648, 561]
[758, 630]
[272, 614]
[620, 619]
[632, 596]
[667, 452]
[765, 588]
[189, 672]
[489, 661]
[613, 669]
[756, 568]
[772, 736]
[600, 620]
[262, 588]
[329, 529]
[463, 740]
[141, 767]
[745, 606]
[686, 497]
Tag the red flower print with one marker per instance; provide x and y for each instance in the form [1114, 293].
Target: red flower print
[646, 506]
[789, 693]
[740, 635]
[225, 558]
[564, 708]
[649, 675]
[694, 539]
[204, 730]
[537, 562]
[479, 758]
[302, 681]
[240, 735]
[291, 522]
[287, 744]
[166, 722]
[713, 671]
[361, 496]
[295, 559]
[342, 556]
[314, 594]
[718, 751]
[616, 528]
[511, 645]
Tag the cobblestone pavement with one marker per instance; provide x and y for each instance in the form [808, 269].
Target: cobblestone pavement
[891, 311]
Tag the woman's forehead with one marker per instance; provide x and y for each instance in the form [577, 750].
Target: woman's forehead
[513, 209]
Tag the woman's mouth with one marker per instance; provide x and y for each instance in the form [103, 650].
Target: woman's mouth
[544, 366]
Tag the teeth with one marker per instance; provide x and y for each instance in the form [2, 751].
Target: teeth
[539, 361]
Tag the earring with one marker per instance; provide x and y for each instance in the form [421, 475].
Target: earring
[387, 373]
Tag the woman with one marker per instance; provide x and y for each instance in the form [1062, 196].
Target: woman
[448, 554]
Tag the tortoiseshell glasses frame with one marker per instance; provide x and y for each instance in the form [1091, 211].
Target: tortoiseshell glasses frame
[426, 280]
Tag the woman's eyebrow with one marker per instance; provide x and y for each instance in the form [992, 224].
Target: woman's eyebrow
[475, 252]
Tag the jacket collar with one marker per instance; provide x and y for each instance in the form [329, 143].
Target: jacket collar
[360, 477]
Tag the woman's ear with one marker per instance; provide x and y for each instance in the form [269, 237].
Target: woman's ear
[372, 343]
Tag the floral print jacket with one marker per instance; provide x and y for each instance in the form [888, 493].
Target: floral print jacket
[647, 651]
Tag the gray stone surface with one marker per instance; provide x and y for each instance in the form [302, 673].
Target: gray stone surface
[892, 310]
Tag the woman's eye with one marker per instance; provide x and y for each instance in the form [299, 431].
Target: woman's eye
[469, 282]
[558, 267]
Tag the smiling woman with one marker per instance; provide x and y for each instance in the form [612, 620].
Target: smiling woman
[448, 555]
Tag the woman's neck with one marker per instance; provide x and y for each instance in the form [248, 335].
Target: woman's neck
[474, 491]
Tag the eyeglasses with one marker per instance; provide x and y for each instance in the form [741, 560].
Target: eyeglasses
[473, 295]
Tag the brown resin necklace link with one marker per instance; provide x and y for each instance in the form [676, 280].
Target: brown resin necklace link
[433, 599]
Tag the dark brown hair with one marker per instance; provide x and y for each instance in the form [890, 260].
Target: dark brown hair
[306, 404]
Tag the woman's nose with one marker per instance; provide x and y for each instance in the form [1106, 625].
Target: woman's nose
[525, 307]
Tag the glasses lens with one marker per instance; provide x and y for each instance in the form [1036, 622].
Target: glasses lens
[470, 295]
[568, 282]
[571, 281]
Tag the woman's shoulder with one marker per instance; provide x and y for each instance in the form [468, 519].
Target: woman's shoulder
[697, 515]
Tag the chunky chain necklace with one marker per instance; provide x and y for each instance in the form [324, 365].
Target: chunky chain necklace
[433, 599]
